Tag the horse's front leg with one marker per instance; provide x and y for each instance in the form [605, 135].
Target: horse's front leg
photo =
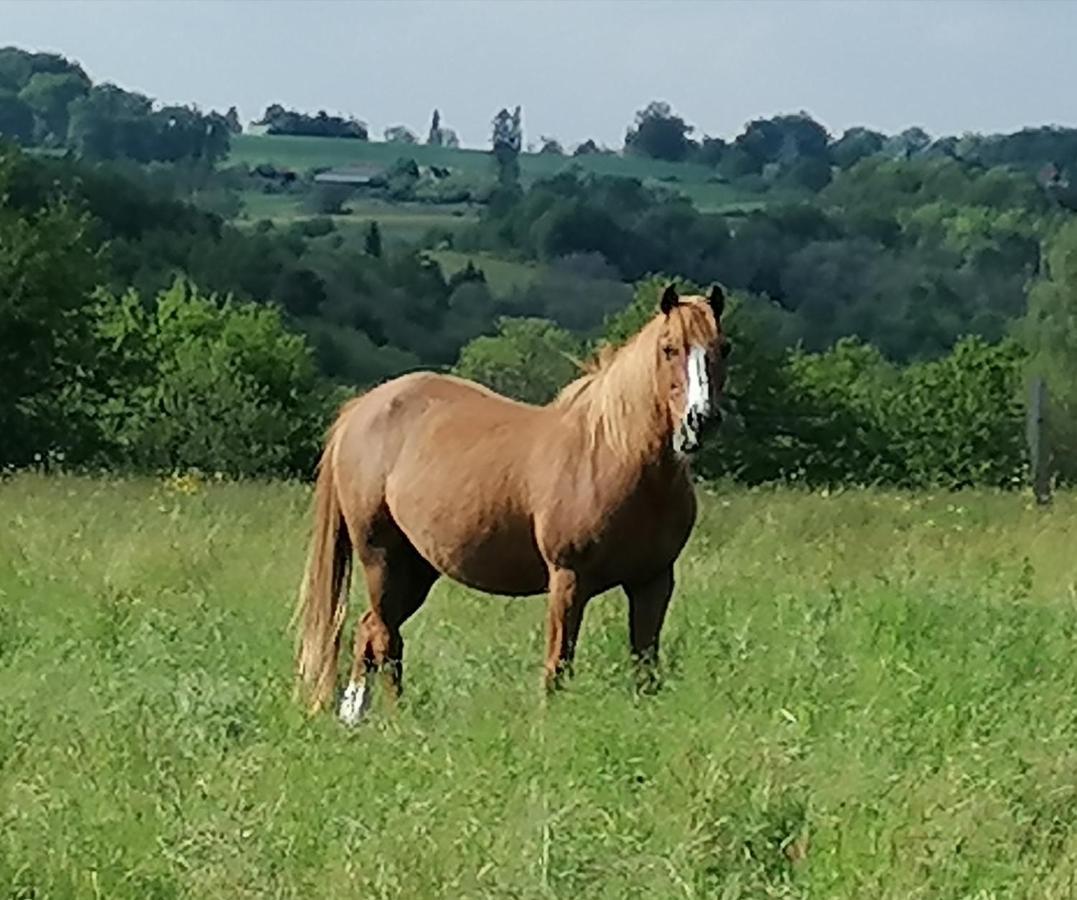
[647, 605]
[564, 615]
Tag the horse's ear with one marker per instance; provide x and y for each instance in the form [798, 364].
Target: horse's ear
[717, 300]
[669, 299]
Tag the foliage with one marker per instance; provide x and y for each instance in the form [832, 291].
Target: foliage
[506, 143]
[48, 101]
[1049, 332]
[659, 134]
[551, 145]
[434, 137]
[907, 255]
[439, 135]
[50, 96]
[328, 199]
[845, 416]
[367, 317]
[854, 145]
[528, 359]
[576, 292]
[49, 268]
[16, 118]
[372, 241]
[400, 134]
[279, 120]
[192, 381]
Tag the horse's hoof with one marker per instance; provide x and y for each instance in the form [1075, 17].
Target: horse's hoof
[354, 703]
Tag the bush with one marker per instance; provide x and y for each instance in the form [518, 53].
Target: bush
[848, 415]
[48, 271]
[197, 382]
[528, 359]
[328, 199]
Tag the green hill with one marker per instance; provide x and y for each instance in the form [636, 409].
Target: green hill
[706, 189]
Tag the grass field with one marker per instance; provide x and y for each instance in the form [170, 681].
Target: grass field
[502, 275]
[304, 153]
[404, 222]
[867, 695]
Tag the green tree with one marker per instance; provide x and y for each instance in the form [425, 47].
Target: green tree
[659, 134]
[528, 359]
[16, 118]
[232, 122]
[1049, 333]
[434, 138]
[854, 145]
[551, 146]
[958, 421]
[372, 241]
[48, 271]
[197, 381]
[506, 143]
[400, 134]
[328, 199]
[50, 95]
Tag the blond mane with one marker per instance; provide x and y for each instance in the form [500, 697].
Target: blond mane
[619, 397]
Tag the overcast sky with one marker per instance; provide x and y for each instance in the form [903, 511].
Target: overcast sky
[582, 69]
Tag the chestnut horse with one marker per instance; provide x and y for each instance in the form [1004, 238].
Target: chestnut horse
[429, 475]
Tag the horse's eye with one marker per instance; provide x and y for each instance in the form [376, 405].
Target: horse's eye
[669, 351]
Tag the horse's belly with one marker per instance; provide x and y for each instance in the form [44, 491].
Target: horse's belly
[511, 570]
[497, 555]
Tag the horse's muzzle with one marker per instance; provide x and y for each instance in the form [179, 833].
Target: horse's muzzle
[698, 430]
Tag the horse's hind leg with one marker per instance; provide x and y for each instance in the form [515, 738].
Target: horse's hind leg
[398, 580]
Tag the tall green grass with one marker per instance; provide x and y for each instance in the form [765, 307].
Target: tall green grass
[865, 695]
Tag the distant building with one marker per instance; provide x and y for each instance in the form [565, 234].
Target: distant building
[353, 175]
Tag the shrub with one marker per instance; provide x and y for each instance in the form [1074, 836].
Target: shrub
[528, 359]
[191, 381]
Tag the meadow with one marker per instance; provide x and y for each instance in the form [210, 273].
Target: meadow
[400, 223]
[698, 182]
[865, 694]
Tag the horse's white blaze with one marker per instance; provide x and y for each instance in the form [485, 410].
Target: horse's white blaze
[699, 397]
[697, 400]
[355, 702]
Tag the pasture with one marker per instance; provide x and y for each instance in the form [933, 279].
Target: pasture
[502, 275]
[406, 223]
[866, 694]
[697, 182]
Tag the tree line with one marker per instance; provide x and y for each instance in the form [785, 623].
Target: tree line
[908, 255]
[886, 315]
[47, 101]
[165, 374]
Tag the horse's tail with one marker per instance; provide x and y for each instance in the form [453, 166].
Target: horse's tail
[323, 597]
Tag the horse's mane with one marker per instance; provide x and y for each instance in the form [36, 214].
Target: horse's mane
[618, 396]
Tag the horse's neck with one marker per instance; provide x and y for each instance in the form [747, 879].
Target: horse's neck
[637, 448]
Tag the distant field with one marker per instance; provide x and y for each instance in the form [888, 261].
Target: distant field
[502, 275]
[303, 153]
[867, 695]
[409, 222]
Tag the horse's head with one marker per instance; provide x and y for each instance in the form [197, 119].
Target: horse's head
[693, 352]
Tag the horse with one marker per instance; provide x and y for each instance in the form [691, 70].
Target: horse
[430, 475]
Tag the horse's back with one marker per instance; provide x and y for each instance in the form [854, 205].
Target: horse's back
[445, 460]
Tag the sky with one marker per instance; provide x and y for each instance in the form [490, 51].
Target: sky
[582, 68]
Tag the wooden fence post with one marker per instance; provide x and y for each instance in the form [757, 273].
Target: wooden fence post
[1038, 454]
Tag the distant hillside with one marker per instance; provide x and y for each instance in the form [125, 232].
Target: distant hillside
[706, 189]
